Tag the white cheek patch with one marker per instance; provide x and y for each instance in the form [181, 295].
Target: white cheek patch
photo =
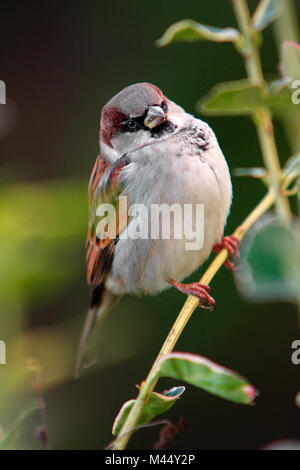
[108, 152]
[128, 141]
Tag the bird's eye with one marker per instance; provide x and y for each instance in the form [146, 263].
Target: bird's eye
[132, 125]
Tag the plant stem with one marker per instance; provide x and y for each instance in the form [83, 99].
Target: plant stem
[286, 26]
[286, 29]
[186, 312]
[262, 118]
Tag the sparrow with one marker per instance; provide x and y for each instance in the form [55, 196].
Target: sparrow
[152, 152]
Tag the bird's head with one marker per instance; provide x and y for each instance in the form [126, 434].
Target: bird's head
[136, 116]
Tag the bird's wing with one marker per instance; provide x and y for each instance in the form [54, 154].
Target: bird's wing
[104, 188]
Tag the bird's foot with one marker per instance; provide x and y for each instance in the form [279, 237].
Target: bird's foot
[199, 290]
[231, 244]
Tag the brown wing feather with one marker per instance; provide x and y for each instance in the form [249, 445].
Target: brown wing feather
[104, 187]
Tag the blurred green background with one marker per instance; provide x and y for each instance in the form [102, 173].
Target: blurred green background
[61, 62]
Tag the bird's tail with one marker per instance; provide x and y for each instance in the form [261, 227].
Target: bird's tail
[88, 348]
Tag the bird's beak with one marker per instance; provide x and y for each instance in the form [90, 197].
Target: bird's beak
[155, 117]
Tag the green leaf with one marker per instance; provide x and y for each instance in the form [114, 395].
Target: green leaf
[190, 31]
[122, 416]
[280, 101]
[266, 12]
[280, 96]
[195, 370]
[232, 98]
[157, 404]
[242, 97]
[270, 263]
[290, 60]
[205, 374]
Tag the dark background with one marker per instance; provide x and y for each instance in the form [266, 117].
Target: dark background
[62, 61]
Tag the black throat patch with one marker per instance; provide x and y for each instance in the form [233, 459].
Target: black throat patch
[166, 127]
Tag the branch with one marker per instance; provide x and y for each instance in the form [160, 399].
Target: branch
[262, 117]
[186, 312]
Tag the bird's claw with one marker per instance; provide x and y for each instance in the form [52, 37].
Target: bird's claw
[231, 244]
[199, 290]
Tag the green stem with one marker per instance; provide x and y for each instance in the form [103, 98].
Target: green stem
[286, 29]
[286, 26]
[262, 118]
